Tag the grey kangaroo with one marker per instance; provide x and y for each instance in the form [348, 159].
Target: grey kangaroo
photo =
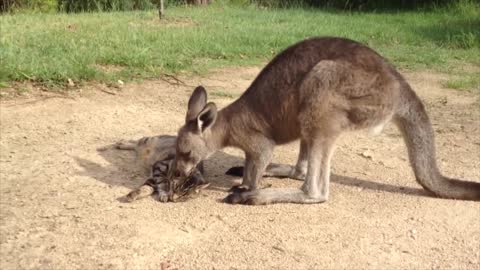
[313, 91]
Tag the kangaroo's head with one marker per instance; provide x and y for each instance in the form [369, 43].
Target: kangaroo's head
[193, 141]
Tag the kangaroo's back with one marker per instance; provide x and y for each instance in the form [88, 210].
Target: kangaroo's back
[274, 98]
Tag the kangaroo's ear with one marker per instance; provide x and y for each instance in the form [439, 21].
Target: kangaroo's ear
[206, 118]
[196, 103]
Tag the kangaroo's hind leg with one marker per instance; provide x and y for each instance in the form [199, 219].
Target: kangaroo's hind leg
[300, 170]
[317, 181]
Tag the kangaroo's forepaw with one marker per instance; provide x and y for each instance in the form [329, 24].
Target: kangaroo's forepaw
[247, 198]
[239, 189]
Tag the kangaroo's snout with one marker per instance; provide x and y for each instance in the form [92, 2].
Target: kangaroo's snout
[183, 169]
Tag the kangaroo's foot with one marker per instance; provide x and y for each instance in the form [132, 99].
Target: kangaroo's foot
[272, 195]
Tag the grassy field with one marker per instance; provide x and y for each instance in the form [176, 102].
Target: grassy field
[51, 48]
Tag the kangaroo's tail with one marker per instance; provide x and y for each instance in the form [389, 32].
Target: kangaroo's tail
[413, 122]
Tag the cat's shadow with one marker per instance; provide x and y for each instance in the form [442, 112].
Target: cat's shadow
[122, 170]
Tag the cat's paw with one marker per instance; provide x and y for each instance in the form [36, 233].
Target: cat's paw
[162, 197]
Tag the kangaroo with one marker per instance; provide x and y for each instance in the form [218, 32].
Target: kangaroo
[314, 91]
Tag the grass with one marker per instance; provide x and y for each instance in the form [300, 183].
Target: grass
[222, 94]
[50, 48]
[465, 82]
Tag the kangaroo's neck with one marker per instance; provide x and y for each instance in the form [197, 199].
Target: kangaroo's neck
[221, 133]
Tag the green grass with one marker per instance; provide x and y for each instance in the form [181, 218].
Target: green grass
[222, 94]
[469, 81]
[49, 48]
[4, 85]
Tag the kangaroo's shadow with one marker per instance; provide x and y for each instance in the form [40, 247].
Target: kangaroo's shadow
[373, 185]
[122, 170]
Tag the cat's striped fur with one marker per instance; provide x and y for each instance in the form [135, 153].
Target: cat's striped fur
[156, 154]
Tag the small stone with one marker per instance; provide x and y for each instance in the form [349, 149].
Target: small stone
[165, 265]
[127, 206]
[367, 154]
[387, 164]
[413, 234]
[278, 248]
[68, 205]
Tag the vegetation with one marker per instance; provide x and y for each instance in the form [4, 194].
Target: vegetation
[116, 5]
[356, 4]
[103, 5]
[81, 5]
[52, 48]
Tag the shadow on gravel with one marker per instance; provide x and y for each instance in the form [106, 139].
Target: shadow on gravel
[372, 185]
[123, 171]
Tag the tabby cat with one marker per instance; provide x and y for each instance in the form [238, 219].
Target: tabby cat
[156, 155]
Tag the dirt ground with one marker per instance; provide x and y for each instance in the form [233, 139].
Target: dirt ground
[60, 206]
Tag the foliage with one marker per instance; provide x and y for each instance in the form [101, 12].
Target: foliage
[38, 5]
[361, 4]
[108, 5]
[103, 5]
[79, 5]
[50, 48]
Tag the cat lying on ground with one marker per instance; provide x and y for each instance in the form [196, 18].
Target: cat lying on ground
[156, 155]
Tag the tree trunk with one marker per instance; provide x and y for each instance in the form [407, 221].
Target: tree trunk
[161, 10]
[198, 2]
[5, 5]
